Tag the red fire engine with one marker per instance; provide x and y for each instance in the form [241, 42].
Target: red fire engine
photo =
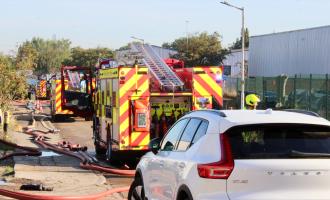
[139, 102]
[72, 94]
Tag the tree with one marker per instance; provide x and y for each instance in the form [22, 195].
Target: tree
[87, 57]
[26, 57]
[13, 84]
[202, 49]
[167, 45]
[238, 43]
[126, 47]
[50, 53]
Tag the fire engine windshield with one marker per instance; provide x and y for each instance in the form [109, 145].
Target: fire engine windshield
[77, 81]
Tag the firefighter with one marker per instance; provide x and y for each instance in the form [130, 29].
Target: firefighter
[154, 126]
[163, 127]
[171, 119]
[179, 114]
[251, 102]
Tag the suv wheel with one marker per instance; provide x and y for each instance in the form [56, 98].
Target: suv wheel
[184, 194]
[136, 191]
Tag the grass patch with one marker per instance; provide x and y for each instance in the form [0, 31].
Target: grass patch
[9, 170]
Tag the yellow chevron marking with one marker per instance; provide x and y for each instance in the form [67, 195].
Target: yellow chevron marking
[123, 108]
[58, 103]
[200, 88]
[58, 88]
[127, 86]
[124, 125]
[211, 82]
[135, 135]
[145, 140]
[143, 88]
[135, 78]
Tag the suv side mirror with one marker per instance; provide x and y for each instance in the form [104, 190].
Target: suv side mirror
[154, 145]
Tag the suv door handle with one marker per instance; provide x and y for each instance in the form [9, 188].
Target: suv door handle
[182, 165]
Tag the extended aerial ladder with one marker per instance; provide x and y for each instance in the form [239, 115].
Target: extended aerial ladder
[160, 70]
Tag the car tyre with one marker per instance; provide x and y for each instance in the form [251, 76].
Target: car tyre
[184, 196]
[136, 190]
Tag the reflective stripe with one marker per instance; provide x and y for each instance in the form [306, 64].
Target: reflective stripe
[58, 99]
[136, 86]
[206, 85]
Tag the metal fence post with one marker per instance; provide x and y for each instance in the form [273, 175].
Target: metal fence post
[310, 93]
[294, 90]
[326, 95]
[237, 86]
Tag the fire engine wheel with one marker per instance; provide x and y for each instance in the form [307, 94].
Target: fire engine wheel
[109, 152]
[109, 145]
[98, 149]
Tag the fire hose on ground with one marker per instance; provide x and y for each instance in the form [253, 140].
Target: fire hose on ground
[27, 151]
[84, 164]
[39, 139]
[25, 196]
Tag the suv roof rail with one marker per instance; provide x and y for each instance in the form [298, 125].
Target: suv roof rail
[217, 112]
[306, 112]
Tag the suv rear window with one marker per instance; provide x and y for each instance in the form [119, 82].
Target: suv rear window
[276, 141]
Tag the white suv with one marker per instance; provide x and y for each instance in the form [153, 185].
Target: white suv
[238, 155]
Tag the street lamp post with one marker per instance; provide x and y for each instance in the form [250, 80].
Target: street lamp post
[243, 56]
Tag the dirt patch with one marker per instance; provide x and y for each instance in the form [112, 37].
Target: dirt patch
[119, 181]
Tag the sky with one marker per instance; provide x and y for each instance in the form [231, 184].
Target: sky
[112, 23]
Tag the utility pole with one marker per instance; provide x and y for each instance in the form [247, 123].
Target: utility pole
[243, 63]
[243, 53]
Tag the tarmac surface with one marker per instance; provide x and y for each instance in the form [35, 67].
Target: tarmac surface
[60, 172]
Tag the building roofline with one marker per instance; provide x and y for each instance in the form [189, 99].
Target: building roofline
[238, 50]
[297, 30]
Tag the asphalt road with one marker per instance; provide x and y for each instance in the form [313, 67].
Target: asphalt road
[79, 131]
[54, 169]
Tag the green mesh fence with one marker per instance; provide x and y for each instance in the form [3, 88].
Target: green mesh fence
[306, 92]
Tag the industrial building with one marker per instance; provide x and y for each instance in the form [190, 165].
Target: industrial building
[301, 52]
[233, 62]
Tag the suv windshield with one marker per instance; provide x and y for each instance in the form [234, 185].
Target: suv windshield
[279, 141]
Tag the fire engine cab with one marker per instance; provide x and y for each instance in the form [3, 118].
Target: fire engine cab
[72, 93]
[136, 103]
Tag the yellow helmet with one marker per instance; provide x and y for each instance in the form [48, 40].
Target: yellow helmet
[252, 100]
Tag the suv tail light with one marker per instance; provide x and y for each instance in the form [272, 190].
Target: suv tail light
[221, 169]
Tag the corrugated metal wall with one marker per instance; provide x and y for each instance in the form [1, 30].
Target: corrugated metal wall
[296, 52]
